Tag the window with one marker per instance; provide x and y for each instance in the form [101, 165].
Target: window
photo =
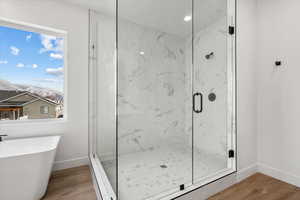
[44, 109]
[32, 66]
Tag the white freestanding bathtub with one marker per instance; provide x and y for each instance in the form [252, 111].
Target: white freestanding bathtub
[25, 167]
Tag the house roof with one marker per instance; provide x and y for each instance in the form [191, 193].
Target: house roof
[6, 96]
[12, 103]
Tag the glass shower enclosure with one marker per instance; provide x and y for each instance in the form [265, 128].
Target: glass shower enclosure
[161, 96]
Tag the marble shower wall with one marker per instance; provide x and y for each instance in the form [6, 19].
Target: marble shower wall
[154, 80]
[153, 88]
[210, 76]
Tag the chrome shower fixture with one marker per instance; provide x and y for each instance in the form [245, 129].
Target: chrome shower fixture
[209, 56]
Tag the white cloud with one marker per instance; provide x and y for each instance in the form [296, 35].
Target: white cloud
[14, 50]
[56, 55]
[55, 71]
[47, 80]
[4, 62]
[34, 66]
[51, 43]
[28, 37]
[20, 65]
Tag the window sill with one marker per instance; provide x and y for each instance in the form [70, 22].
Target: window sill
[34, 121]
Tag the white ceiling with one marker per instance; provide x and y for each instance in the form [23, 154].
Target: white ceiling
[162, 15]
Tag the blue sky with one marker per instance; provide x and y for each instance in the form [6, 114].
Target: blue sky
[31, 58]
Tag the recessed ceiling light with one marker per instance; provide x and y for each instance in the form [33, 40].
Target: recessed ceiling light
[187, 18]
[142, 53]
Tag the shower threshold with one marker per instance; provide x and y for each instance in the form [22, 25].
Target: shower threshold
[192, 187]
[104, 188]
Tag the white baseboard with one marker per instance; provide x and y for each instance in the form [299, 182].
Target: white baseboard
[270, 171]
[246, 172]
[65, 164]
[279, 174]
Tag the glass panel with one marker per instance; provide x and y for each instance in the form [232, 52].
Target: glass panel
[103, 100]
[154, 104]
[211, 80]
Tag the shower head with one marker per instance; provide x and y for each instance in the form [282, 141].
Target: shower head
[209, 56]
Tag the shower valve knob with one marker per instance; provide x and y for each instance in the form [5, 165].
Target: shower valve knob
[278, 63]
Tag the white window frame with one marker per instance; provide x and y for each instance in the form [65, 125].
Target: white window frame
[44, 110]
[47, 31]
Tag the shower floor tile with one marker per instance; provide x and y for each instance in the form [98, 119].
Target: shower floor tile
[143, 175]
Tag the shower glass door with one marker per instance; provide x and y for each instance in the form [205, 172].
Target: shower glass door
[154, 104]
[213, 89]
[102, 100]
[175, 96]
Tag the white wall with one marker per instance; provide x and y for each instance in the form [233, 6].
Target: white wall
[279, 96]
[74, 20]
[246, 83]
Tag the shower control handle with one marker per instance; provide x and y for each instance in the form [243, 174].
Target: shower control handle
[201, 102]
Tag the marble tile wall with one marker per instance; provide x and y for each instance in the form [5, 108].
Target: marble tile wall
[210, 76]
[154, 100]
[152, 89]
[155, 105]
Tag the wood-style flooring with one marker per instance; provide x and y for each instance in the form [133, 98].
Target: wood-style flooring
[259, 187]
[76, 184]
[71, 184]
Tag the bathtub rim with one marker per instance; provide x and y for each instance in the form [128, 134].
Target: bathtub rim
[31, 153]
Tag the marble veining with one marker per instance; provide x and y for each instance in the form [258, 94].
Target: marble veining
[152, 88]
[210, 75]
